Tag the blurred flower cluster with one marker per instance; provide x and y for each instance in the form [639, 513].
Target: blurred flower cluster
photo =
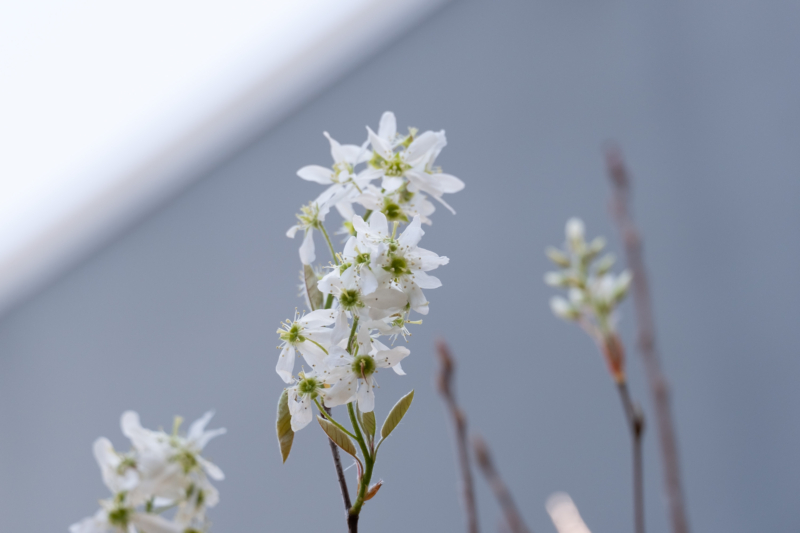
[594, 292]
[376, 280]
[161, 474]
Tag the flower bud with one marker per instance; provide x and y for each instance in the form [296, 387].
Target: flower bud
[558, 257]
[555, 279]
[605, 264]
[563, 309]
[575, 230]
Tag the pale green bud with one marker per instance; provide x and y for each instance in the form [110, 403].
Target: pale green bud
[558, 257]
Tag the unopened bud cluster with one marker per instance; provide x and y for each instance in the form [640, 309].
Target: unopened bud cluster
[160, 486]
[593, 291]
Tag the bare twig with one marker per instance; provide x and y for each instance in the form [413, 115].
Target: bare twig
[445, 385]
[337, 463]
[636, 424]
[659, 388]
[501, 492]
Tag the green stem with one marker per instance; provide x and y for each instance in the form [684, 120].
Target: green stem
[367, 214]
[331, 420]
[329, 301]
[328, 240]
[352, 335]
[368, 463]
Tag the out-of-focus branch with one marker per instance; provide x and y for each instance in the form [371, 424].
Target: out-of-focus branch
[635, 419]
[659, 387]
[445, 386]
[501, 492]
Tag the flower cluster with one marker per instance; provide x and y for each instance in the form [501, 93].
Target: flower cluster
[594, 292]
[162, 472]
[377, 279]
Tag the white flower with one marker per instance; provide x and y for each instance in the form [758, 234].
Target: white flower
[402, 263]
[400, 205]
[116, 516]
[308, 387]
[118, 470]
[414, 162]
[357, 376]
[170, 464]
[307, 334]
[310, 217]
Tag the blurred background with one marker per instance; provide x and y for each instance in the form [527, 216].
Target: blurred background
[159, 285]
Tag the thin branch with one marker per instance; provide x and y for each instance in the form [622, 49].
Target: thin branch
[484, 459]
[659, 387]
[445, 385]
[337, 463]
[635, 419]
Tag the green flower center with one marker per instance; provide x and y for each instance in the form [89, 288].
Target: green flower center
[362, 258]
[397, 266]
[396, 167]
[119, 517]
[393, 211]
[363, 365]
[292, 336]
[350, 299]
[187, 460]
[308, 386]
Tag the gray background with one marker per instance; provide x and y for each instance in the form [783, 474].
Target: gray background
[178, 314]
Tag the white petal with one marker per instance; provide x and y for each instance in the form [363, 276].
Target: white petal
[369, 283]
[386, 299]
[341, 329]
[302, 416]
[315, 319]
[389, 358]
[412, 234]
[448, 183]
[285, 365]
[398, 370]
[426, 281]
[417, 299]
[199, 425]
[392, 183]
[381, 146]
[307, 254]
[293, 231]
[366, 398]
[152, 523]
[420, 147]
[378, 225]
[317, 174]
[338, 357]
[387, 129]
[213, 471]
[208, 435]
[339, 156]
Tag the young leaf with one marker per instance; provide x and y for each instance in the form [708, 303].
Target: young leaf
[396, 414]
[284, 426]
[313, 295]
[338, 436]
[368, 423]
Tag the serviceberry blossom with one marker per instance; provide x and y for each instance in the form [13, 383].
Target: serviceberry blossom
[311, 217]
[308, 334]
[593, 291]
[362, 300]
[161, 472]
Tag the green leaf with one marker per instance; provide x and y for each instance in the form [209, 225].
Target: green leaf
[313, 294]
[368, 423]
[284, 426]
[338, 436]
[396, 414]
